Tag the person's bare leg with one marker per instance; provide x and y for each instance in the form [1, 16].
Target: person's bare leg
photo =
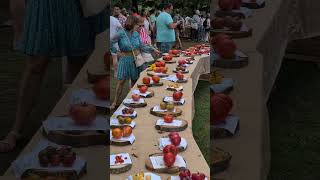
[29, 90]
[75, 64]
[17, 9]
[179, 41]
[115, 64]
[118, 92]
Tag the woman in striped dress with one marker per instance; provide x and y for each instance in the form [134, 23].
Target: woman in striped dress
[52, 28]
[130, 44]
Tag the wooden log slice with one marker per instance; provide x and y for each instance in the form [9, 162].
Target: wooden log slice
[182, 81]
[136, 105]
[162, 114]
[253, 5]
[171, 170]
[151, 85]
[183, 72]
[119, 143]
[183, 126]
[173, 89]
[78, 138]
[235, 63]
[68, 174]
[152, 73]
[220, 160]
[118, 169]
[222, 14]
[233, 34]
[169, 62]
[95, 73]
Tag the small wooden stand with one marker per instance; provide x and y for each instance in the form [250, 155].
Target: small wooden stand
[183, 126]
[171, 170]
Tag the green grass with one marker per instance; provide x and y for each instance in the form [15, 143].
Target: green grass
[295, 123]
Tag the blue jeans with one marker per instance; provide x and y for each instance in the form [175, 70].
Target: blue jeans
[165, 46]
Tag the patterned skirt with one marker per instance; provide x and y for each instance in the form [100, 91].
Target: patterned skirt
[127, 69]
[56, 28]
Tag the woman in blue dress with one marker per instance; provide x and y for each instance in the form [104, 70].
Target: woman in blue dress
[127, 69]
[52, 28]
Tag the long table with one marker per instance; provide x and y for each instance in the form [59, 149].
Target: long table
[146, 134]
[279, 22]
[95, 155]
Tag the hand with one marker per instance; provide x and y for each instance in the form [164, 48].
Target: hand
[157, 52]
[120, 54]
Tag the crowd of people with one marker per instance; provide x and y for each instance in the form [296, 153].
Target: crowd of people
[137, 38]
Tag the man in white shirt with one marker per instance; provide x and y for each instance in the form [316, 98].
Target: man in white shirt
[114, 26]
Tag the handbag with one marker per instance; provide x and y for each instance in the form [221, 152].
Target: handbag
[93, 7]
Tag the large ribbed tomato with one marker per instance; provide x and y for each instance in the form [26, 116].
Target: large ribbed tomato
[216, 40]
[221, 106]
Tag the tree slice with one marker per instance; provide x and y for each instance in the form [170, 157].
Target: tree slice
[220, 160]
[173, 89]
[152, 73]
[68, 174]
[78, 138]
[120, 169]
[182, 81]
[234, 63]
[169, 62]
[119, 143]
[176, 103]
[162, 114]
[184, 72]
[223, 14]
[95, 73]
[171, 170]
[233, 34]
[151, 85]
[136, 105]
[183, 126]
[253, 5]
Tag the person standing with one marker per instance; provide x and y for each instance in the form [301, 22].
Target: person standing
[197, 25]
[115, 25]
[117, 14]
[207, 27]
[165, 29]
[51, 29]
[178, 18]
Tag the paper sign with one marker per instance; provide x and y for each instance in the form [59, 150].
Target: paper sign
[88, 96]
[125, 157]
[153, 176]
[131, 101]
[158, 162]
[141, 94]
[175, 123]
[230, 124]
[170, 99]
[115, 122]
[163, 142]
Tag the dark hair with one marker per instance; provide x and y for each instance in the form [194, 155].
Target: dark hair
[151, 11]
[117, 5]
[131, 22]
[134, 10]
[142, 12]
[167, 6]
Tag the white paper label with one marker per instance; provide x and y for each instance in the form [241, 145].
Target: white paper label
[175, 123]
[172, 78]
[163, 142]
[125, 157]
[141, 94]
[180, 88]
[170, 99]
[87, 95]
[153, 176]
[158, 162]
[131, 101]
[230, 124]
[119, 113]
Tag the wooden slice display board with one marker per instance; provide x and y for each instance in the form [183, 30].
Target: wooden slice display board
[119, 143]
[171, 170]
[161, 114]
[118, 169]
[152, 73]
[176, 103]
[151, 85]
[233, 34]
[95, 73]
[184, 72]
[169, 62]
[135, 105]
[253, 5]
[78, 138]
[183, 126]
[149, 95]
[172, 89]
[182, 81]
[220, 160]
[68, 174]
[234, 63]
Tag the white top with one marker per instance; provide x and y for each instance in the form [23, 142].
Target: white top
[114, 26]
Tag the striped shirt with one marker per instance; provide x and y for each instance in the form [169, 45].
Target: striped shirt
[145, 38]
